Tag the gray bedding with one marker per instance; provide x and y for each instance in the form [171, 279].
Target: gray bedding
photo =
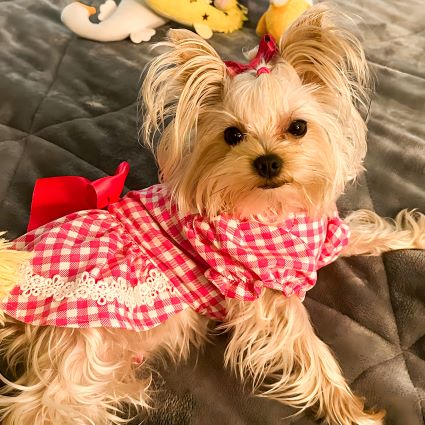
[68, 107]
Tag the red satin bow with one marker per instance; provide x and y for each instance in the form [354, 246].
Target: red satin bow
[266, 51]
[55, 197]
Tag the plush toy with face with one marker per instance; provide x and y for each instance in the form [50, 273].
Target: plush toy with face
[204, 16]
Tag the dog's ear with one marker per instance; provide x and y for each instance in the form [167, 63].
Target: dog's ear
[323, 52]
[180, 84]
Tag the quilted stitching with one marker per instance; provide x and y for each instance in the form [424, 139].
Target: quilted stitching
[370, 311]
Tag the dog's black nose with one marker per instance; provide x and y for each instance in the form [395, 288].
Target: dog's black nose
[268, 166]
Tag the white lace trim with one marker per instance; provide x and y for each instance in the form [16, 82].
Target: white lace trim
[101, 291]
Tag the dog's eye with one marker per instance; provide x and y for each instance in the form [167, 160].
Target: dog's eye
[297, 128]
[233, 136]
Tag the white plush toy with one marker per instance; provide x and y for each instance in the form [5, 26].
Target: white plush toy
[131, 18]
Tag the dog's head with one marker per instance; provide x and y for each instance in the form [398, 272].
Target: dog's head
[258, 143]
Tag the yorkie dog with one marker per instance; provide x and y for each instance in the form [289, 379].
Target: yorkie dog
[252, 159]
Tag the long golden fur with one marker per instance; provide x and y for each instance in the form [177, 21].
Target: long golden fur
[83, 376]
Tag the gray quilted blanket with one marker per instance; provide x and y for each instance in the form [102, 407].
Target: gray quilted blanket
[68, 107]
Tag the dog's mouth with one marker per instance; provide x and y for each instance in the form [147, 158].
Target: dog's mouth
[272, 185]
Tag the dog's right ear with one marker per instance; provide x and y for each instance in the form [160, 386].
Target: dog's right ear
[180, 84]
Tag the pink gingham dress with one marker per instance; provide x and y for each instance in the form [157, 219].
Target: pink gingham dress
[141, 261]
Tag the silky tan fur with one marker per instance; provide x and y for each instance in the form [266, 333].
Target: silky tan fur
[10, 262]
[84, 376]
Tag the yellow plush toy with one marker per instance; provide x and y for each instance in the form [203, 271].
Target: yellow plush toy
[204, 15]
[280, 15]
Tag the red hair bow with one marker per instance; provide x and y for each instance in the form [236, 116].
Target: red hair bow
[267, 49]
[55, 197]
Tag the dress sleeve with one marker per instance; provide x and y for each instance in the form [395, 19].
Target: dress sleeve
[337, 236]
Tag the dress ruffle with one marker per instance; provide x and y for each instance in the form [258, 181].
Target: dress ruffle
[246, 256]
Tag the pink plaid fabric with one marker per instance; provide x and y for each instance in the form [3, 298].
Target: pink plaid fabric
[142, 261]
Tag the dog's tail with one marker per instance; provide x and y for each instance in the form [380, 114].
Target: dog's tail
[374, 235]
[10, 263]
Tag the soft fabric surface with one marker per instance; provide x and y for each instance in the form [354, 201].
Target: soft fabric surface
[68, 107]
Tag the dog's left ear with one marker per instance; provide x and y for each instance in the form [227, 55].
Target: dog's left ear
[180, 85]
[323, 52]
[329, 57]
